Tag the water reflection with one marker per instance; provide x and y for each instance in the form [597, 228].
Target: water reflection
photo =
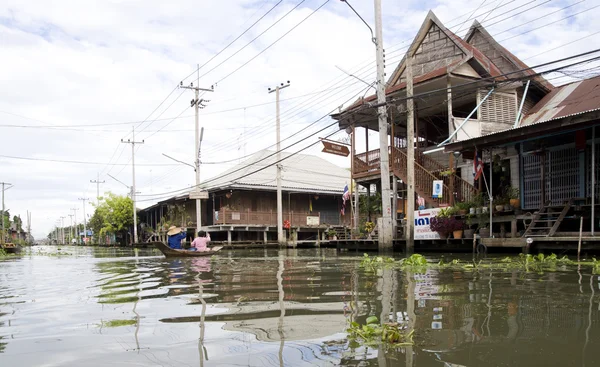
[270, 307]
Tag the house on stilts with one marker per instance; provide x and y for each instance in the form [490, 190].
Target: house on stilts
[472, 96]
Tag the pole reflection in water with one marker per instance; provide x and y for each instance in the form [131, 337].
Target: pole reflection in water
[201, 349]
[281, 307]
[410, 311]
[135, 303]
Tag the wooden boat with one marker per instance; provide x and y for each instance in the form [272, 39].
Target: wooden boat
[169, 252]
[11, 248]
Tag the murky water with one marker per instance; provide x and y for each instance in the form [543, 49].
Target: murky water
[99, 307]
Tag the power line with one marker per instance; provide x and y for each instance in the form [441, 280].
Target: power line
[81, 162]
[277, 40]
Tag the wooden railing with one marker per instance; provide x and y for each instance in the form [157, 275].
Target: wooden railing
[297, 219]
[423, 178]
[427, 170]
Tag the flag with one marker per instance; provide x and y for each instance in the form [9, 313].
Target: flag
[346, 195]
[477, 165]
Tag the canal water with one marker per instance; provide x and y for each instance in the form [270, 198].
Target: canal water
[121, 307]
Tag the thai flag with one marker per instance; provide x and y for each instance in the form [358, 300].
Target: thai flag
[477, 165]
[346, 195]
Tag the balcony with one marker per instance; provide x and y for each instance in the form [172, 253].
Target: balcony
[269, 219]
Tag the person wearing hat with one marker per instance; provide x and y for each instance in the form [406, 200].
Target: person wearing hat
[175, 234]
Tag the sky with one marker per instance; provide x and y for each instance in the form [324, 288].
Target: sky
[79, 76]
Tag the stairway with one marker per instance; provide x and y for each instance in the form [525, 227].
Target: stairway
[424, 178]
[546, 221]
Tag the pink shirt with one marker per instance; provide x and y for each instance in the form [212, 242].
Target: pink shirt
[200, 243]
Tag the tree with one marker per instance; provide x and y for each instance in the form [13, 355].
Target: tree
[114, 214]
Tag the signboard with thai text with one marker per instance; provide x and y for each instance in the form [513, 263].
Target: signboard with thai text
[333, 148]
[198, 195]
[312, 220]
[422, 220]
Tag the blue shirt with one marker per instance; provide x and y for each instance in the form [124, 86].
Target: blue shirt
[175, 240]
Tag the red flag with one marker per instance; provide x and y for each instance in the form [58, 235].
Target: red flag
[477, 165]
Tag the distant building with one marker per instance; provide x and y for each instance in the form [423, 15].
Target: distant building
[242, 204]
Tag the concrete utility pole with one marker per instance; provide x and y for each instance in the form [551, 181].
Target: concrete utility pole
[75, 219]
[62, 227]
[4, 184]
[410, 157]
[84, 225]
[197, 104]
[97, 182]
[133, 143]
[280, 236]
[386, 234]
[71, 227]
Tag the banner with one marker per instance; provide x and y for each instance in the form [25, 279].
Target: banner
[422, 220]
[438, 189]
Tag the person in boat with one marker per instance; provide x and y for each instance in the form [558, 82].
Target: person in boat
[201, 242]
[176, 235]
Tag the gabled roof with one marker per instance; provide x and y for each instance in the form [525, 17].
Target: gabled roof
[300, 172]
[477, 27]
[468, 50]
[482, 65]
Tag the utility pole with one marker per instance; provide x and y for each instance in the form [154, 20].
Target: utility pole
[29, 227]
[62, 228]
[386, 234]
[410, 156]
[197, 104]
[4, 184]
[75, 218]
[133, 143]
[71, 227]
[280, 236]
[84, 226]
[98, 182]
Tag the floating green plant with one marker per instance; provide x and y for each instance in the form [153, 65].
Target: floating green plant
[374, 334]
[117, 323]
[538, 263]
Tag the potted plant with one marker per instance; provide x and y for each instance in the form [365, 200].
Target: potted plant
[499, 202]
[468, 232]
[457, 228]
[331, 234]
[462, 208]
[442, 222]
[514, 197]
[484, 222]
[369, 227]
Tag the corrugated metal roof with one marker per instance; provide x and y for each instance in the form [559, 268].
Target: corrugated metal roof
[301, 172]
[567, 100]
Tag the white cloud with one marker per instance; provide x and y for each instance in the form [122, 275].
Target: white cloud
[81, 63]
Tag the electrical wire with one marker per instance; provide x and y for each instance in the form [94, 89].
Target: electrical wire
[272, 44]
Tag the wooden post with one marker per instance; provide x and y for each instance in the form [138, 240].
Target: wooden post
[355, 186]
[450, 131]
[580, 230]
[451, 177]
[367, 145]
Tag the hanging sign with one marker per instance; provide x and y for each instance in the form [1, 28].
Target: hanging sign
[198, 194]
[438, 189]
[333, 148]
